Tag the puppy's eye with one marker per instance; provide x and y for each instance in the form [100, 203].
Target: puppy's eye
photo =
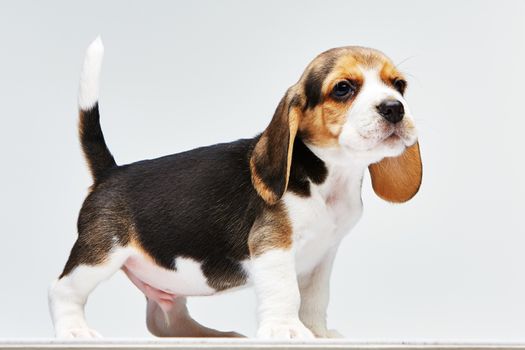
[400, 85]
[343, 89]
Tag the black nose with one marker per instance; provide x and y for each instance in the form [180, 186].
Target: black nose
[391, 110]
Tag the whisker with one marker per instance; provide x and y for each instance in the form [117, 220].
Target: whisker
[404, 60]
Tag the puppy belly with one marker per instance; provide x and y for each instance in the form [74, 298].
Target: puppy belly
[164, 285]
[164, 299]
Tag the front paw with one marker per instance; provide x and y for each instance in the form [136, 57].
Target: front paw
[284, 329]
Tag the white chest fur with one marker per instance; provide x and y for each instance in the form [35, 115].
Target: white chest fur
[321, 220]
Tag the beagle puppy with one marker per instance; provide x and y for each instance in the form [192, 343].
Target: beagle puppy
[267, 211]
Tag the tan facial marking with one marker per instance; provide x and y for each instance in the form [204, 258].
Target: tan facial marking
[389, 73]
[323, 124]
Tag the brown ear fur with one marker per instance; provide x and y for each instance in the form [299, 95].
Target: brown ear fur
[272, 155]
[397, 179]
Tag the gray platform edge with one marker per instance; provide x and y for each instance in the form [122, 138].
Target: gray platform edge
[238, 344]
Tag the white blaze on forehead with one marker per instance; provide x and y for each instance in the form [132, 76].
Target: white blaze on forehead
[374, 91]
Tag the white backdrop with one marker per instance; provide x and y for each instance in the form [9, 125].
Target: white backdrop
[447, 265]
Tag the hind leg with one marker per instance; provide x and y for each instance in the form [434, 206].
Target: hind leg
[69, 293]
[177, 322]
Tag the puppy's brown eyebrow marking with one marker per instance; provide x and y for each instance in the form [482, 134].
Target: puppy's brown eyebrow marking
[389, 73]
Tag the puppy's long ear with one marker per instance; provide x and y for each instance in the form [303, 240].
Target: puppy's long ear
[397, 179]
[272, 155]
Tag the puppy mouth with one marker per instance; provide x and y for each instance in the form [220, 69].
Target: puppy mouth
[392, 140]
[386, 136]
[395, 135]
[390, 135]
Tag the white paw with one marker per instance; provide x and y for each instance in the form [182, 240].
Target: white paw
[78, 333]
[284, 329]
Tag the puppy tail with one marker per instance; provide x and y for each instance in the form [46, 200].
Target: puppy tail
[96, 152]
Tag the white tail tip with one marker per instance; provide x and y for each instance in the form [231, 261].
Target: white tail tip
[89, 78]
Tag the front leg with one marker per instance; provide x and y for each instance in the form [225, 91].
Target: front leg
[315, 292]
[275, 281]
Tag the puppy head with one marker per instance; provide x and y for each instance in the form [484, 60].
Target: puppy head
[348, 103]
